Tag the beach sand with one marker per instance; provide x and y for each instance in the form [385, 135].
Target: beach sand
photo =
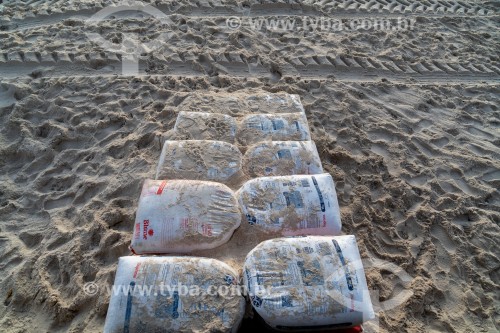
[407, 123]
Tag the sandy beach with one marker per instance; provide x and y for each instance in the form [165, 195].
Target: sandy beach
[407, 122]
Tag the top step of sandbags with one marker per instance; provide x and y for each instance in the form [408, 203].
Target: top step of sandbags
[238, 104]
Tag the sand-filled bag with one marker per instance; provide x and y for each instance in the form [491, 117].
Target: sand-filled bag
[205, 126]
[273, 127]
[292, 205]
[200, 160]
[238, 104]
[174, 294]
[308, 283]
[180, 216]
[280, 158]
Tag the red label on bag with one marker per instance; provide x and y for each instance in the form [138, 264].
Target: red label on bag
[207, 229]
[162, 186]
[137, 232]
[145, 226]
[136, 270]
[185, 223]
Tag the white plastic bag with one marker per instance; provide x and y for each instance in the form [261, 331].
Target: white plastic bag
[180, 216]
[292, 205]
[308, 283]
[273, 127]
[280, 158]
[200, 160]
[205, 126]
[173, 294]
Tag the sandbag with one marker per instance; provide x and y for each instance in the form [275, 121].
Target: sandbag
[292, 205]
[173, 294]
[205, 126]
[273, 127]
[180, 216]
[308, 283]
[238, 104]
[200, 160]
[280, 158]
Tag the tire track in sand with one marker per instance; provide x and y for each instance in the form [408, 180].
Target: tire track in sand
[339, 67]
[333, 9]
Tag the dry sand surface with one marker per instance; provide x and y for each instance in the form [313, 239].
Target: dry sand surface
[407, 123]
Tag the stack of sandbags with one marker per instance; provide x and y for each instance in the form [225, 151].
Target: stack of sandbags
[209, 146]
[274, 194]
[281, 191]
[195, 211]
